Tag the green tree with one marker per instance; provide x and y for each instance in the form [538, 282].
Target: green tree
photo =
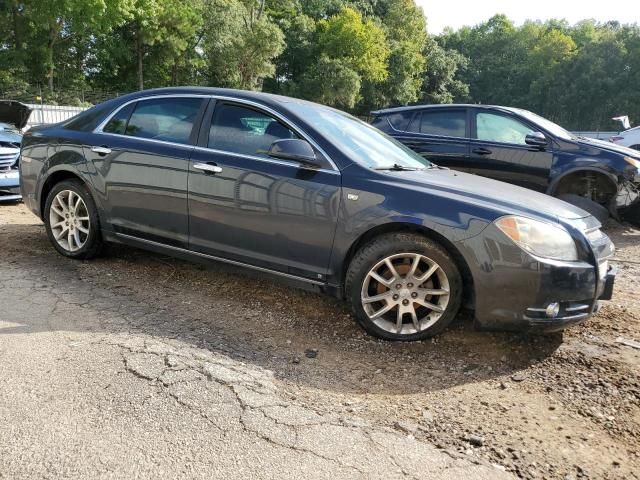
[441, 82]
[331, 82]
[241, 43]
[66, 20]
[360, 44]
[406, 32]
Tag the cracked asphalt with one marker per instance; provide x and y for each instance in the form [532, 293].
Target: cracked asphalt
[105, 373]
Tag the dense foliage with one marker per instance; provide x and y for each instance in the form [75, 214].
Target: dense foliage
[354, 54]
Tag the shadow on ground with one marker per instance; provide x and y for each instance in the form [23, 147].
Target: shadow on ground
[250, 317]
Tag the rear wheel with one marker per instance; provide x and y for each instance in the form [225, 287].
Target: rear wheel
[403, 286]
[71, 220]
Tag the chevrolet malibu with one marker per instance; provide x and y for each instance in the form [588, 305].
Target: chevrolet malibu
[312, 194]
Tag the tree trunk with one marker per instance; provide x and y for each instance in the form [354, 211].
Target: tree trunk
[174, 73]
[17, 39]
[50, 67]
[140, 54]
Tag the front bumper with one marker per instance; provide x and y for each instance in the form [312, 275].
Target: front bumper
[514, 289]
[10, 185]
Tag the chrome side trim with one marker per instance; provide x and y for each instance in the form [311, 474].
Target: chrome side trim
[557, 319]
[279, 116]
[220, 259]
[576, 308]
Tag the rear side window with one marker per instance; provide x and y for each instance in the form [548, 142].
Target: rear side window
[166, 119]
[400, 120]
[449, 123]
[246, 131]
[118, 122]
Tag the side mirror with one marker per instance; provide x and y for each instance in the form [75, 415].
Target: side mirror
[536, 139]
[296, 150]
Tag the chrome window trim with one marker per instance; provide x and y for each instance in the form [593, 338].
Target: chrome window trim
[291, 125]
[265, 159]
[220, 259]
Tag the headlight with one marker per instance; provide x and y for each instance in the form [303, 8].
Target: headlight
[539, 238]
[633, 161]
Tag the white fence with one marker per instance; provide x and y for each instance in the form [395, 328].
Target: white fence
[44, 114]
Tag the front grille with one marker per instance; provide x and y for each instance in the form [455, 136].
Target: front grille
[8, 159]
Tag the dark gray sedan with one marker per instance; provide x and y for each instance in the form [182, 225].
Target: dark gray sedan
[312, 194]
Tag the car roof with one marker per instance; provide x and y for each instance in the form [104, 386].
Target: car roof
[386, 111]
[266, 98]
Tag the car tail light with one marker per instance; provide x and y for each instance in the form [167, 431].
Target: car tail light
[616, 138]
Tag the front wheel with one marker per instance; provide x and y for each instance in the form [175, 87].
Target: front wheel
[71, 220]
[403, 286]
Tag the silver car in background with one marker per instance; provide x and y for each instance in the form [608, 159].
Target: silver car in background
[13, 118]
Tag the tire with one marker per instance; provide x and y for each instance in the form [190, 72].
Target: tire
[402, 250]
[77, 244]
[635, 147]
[588, 205]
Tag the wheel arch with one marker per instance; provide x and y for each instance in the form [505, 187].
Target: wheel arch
[400, 227]
[53, 179]
[553, 187]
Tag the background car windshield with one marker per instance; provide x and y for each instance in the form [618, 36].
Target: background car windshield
[548, 125]
[360, 141]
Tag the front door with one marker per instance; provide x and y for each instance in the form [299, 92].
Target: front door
[499, 151]
[140, 162]
[248, 207]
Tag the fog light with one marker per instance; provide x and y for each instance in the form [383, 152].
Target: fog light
[552, 310]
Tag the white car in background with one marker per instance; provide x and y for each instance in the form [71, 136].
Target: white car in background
[629, 138]
[13, 118]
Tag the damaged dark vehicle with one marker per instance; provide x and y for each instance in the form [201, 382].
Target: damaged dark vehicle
[13, 118]
[517, 146]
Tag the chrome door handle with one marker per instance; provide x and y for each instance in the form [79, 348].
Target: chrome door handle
[207, 167]
[101, 150]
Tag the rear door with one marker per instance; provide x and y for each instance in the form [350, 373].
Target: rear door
[254, 209]
[140, 158]
[439, 135]
[499, 150]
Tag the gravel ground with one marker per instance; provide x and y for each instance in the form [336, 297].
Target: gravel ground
[138, 365]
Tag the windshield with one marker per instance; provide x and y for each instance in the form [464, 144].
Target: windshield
[548, 125]
[358, 140]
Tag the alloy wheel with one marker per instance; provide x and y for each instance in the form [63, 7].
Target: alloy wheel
[69, 220]
[405, 293]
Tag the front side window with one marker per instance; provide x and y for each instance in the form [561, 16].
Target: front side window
[166, 119]
[242, 130]
[499, 128]
[448, 123]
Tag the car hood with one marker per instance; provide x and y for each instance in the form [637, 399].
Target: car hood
[608, 146]
[507, 198]
[14, 113]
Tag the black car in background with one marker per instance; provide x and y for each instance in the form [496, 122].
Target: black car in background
[312, 194]
[520, 147]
